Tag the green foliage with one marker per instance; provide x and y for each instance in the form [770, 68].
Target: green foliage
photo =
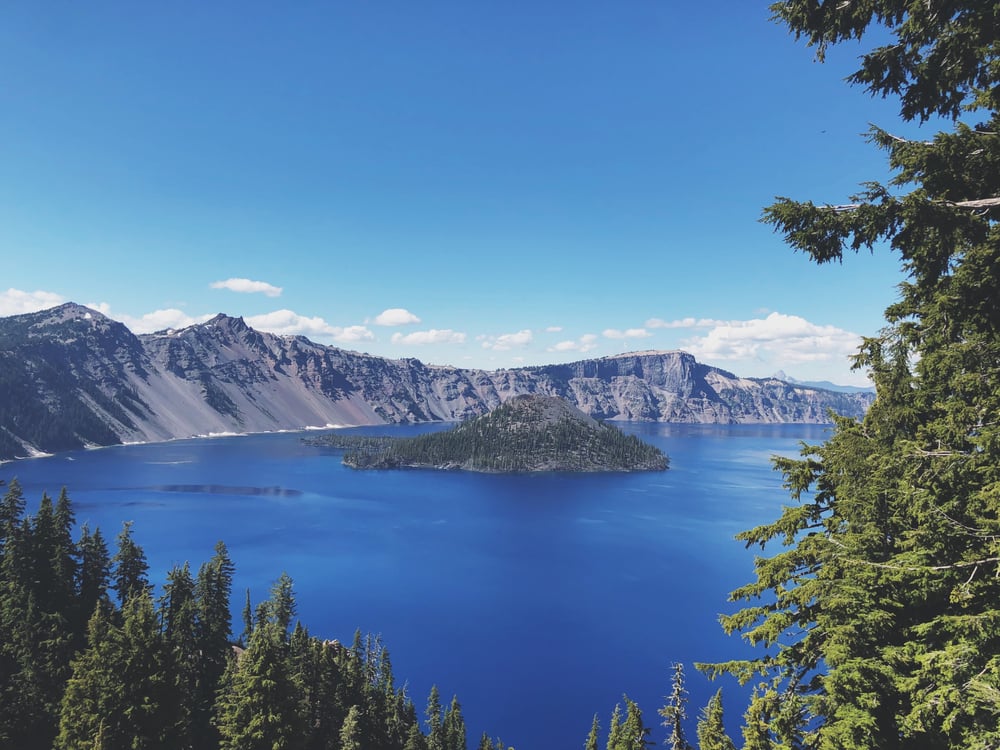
[525, 434]
[629, 733]
[939, 60]
[260, 708]
[169, 676]
[879, 613]
[129, 566]
[711, 729]
[592, 736]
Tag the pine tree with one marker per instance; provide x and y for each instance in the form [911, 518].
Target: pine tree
[711, 729]
[435, 723]
[454, 726]
[674, 711]
[615, 729]
[247, 621]
[179, 614]
[281, 606]
[415, 739]
[261, 708]
[95, 576]
[634, 734]
[351, 737]
[121, 694]
[212, 591]
[592, 738]
[129, 566]
[11, 510]
[880, 613]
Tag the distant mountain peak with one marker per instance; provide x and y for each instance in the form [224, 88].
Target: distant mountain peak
[71, 311]
[93, 382]
[229, 320]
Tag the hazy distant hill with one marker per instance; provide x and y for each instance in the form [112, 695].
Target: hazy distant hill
[71, 377]
[825, 384]
[528, 433]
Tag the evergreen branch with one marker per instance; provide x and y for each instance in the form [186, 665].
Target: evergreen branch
[912, 568]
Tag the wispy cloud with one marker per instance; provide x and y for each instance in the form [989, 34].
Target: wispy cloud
[290, 323]
[507, 341]
[395, 316]
[17, 302]
[247, 286]
[587, 342]
[553, 329]
[684, 323]
[433, 336]
[630, 333]
[777, 339]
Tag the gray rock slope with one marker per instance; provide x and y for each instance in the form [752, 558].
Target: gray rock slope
[71, 377]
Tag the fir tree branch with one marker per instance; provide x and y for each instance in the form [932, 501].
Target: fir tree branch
[914, 568]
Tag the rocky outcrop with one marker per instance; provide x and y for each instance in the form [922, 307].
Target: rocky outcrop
[71, 377]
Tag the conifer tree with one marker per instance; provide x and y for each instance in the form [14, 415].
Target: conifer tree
[95, 576]
[247, 621]
[281, 605]
[121, 694]
[261, 708]
[435, 722]
[634, 734]
[351, 736]
[592, 738]
[129, 566]
[615, 729]
[674, 711]
[11, 510]
[179, 614]
[879, 615]
[711, 729]
[454, 726]
[213, 587]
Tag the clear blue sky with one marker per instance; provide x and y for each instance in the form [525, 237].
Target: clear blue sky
[487, 172]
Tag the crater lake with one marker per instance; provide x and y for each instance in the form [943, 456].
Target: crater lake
[537, 599]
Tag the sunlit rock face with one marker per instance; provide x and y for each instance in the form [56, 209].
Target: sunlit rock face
[71, 377]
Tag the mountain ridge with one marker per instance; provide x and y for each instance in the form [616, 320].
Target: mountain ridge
[71, 377]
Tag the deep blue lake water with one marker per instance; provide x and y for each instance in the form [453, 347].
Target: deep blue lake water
[538, 600]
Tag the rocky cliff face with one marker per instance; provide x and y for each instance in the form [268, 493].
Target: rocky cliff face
[71, 377]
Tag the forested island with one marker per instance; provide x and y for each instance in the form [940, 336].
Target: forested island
[530, 433]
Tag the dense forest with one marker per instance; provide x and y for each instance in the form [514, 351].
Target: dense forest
[524, 434]
[91, 659]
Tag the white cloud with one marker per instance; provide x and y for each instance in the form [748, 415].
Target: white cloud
[684, 323]
[289, 323]
[585, 343]
[158, 320]
[17, 302]
[778, 340]
[631, 333]
[246, 286]
[507, 341]
[433, 336]
[395, 316]
[553, 329]
[353, 333]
